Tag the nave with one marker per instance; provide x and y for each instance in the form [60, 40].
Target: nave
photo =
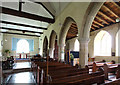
[60, 42]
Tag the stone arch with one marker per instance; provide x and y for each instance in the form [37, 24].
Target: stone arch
[52, 39]
[84, 31]
[45, 47]
[52, 43]
[62, 37]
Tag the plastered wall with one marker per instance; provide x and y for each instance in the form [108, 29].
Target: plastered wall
[108, 58]
[8, 44]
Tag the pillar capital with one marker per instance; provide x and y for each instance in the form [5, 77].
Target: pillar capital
[84, 40]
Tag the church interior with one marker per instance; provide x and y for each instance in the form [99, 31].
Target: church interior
[60, 42]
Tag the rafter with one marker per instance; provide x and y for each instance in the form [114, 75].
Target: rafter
[24, 25]
[102, 20]
[26, 15]
[92, 28]
[73, 28]
[101, 13]
[116, 5]
[74, 25]
[20, 30]
[72, 32]
[95, 26]
[98, 23]
[110, 11]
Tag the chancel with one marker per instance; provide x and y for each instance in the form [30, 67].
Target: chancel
[60, 42]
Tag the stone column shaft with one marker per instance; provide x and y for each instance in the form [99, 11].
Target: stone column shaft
[83, 52]
[51, 52]
[62, 52]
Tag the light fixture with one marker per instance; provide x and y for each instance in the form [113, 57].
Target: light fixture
[77, 35]
[37, 34]
[117, 20]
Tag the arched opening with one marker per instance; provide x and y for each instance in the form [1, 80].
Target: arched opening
[53, 46]
[117, 43]
[56, 49]
[22, 46]
[76, 45]
[45, 47]
[102, 44]
[62, 39]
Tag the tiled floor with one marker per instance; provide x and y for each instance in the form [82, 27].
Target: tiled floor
[26, 78]
[111, 78]
[22, 65]
[23, 77]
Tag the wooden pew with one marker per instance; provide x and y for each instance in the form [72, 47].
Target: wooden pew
[116, 82]
[80, 76]
[70, 72]
[112, 68]
[83, 79]
[62, 70]
[99, 64]
[34, 70]
[42, 65]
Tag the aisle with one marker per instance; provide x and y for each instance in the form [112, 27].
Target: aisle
[22, 65]
[22, 77]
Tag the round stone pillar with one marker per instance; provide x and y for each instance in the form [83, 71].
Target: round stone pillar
[83, 52]
[51, 52]
[61, 56]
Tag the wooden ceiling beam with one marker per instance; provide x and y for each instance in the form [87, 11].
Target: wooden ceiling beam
[73, 31]
[26, 15]
[92, 28]
[102, 20]
[20, 30]
[74, 25]
[19, 34]
[98, 23]
[104, 15]
[110, 11]
[116, 5]
[95, 26]
[24, 25]
[74, 28]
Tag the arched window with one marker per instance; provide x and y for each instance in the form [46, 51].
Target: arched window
[76, 45]
[117, 44]
[102, 44]
[22, 46]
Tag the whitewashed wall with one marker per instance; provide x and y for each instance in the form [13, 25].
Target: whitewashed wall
[8, 44]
